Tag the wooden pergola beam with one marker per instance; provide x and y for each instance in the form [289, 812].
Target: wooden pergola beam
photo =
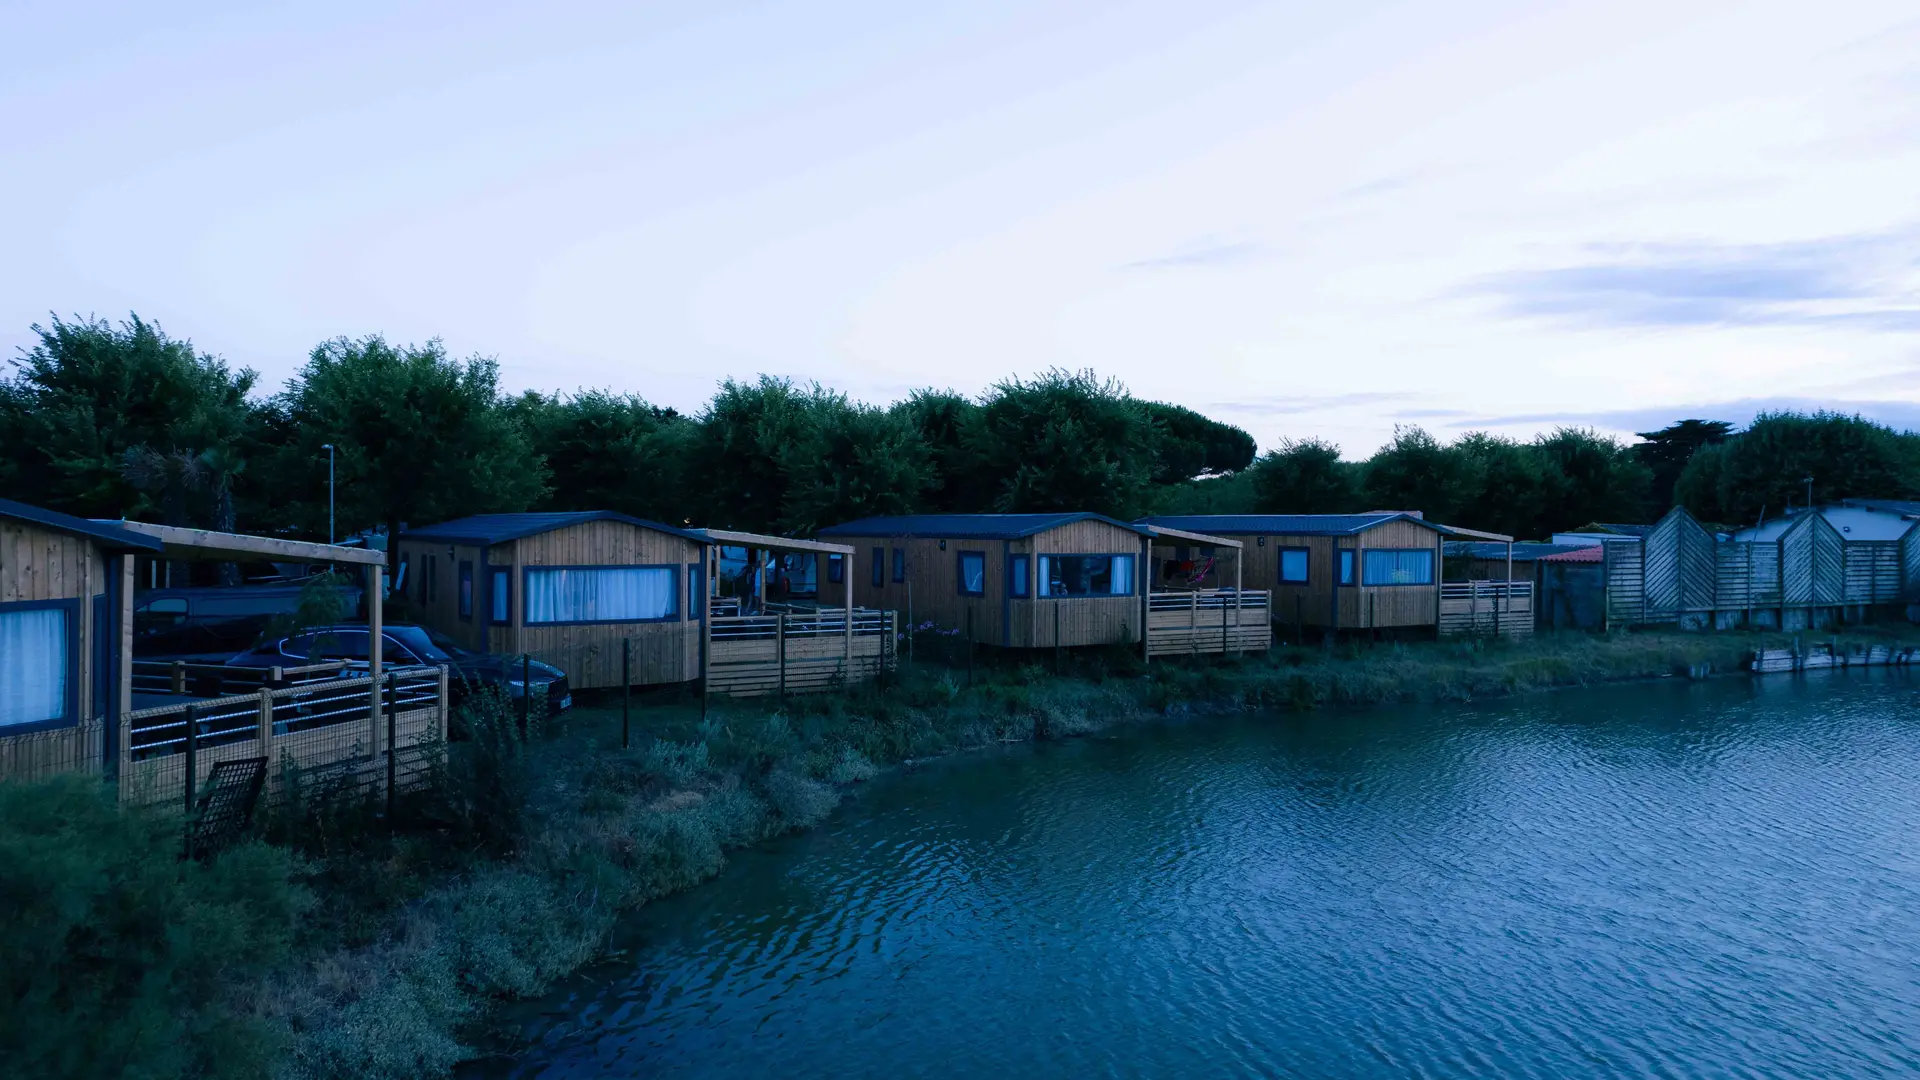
[1159, 531]
[773, 543]
[204, 544]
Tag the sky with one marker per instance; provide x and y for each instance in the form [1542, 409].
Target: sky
[1308, 219]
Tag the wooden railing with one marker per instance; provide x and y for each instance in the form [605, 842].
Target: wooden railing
[1208, 621]
[1486, 607]
[213, 680]
[347, 725]
[802, 652]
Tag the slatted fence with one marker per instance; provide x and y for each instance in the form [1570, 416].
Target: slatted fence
[1222, 621]
[1502, 608]
[799, 651]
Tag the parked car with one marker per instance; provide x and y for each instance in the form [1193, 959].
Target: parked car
[215, 621]
[405, 644]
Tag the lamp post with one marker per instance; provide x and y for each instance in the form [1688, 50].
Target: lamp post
[328, 447]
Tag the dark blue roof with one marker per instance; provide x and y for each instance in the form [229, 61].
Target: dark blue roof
[966, 526]
[500, 528]
[1282, 524]
[103, 532]
[1523, 550]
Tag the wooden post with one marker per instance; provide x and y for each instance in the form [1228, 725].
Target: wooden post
[846, 587]
[706, 628]
[265, 733]
[193, 764]
[1238, 558]
[526, 692]
[780, 646]
[1193, 624]
[969, 646]
[1056, 638]
[1223, 627]
[626, 692]
[1146, 596]
[1507, 608]
[446, 704]
[910, 623]
[376, 649]
[393, 724]
[178, 682]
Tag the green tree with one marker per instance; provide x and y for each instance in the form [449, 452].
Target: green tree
[941, 419]
[1188, 445]
[1064, 441]
[88, 393]
[419, 437]
[1667, 451]
[1768, 465]
[1588, 477]
[608, 451]
[1508, 489]
[1416, 472]
[1304, 476]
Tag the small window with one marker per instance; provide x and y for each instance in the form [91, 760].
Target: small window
[433, 578]
[899, 565]
[1346, 567]
[1016, 575]
[500, 596]
[973, 573]
[696, 593]
[1395, 566]
[879, 567]
[36, 665]
[1293, 566]
[836, 569]
[466, 589]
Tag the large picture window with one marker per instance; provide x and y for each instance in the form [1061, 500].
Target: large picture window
[1394, 566]
[36, 665]
[1293, 566]
[601, 594]
[1086, 575]
[973, 573]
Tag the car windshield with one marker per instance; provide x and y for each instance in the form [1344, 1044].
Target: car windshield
[429, 645]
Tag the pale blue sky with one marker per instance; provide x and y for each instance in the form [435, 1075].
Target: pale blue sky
[1308, 218]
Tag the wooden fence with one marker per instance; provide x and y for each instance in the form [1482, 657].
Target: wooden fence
[345, 731]
[1486, 607]
[798, 651]
[1208, 621]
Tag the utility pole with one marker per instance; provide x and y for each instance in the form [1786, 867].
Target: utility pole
[328, 447]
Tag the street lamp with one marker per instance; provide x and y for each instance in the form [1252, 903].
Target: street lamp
[328, 447]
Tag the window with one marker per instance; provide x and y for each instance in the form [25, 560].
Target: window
[466, 589]
[500, 596]
[37, 663]
[1016, 575]
[398, 586]
[1086, 575]
[696, 593]
[973, 573]
[796, 575]
[601, 594]
[1397, 566]
[1293, 566]
[432, 581]
[1346, 567]
[836, 568]
[879, 567]
[899, 565]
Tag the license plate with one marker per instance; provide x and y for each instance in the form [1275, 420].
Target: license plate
[566, 702]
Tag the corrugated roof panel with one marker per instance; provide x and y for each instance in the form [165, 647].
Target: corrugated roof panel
[499, 528]
[105, 532]
[1280, 524]
[965, 526]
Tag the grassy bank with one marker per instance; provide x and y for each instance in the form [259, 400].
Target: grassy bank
[358, 950]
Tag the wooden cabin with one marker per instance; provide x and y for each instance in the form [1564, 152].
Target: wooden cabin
[64, 595]
[568, 589]
[1014, 580]
[605, 597]
[1336, 571]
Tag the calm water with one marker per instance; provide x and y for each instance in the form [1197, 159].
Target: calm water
[1716, 880]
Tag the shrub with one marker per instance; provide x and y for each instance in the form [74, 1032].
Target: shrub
[117, 957]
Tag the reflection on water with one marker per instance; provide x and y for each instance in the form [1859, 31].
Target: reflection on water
[1663, 880]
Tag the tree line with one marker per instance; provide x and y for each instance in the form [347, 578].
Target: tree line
[104, 420]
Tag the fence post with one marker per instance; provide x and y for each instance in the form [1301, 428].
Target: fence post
[193, 763]
[969, 646]
[1193, 624]
[178, 682]
[266, 722]
[393, 725]
[626, 692]
[780, 646]
[1056, 638]
[526, 692]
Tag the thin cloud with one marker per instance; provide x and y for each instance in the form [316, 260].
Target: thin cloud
[1862, 281]
[1309, 402]
[1903, 415]
[1209, 255]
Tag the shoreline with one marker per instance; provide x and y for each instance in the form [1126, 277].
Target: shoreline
[514, 874]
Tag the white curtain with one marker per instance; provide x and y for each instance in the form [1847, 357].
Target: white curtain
[601, 594]
[973, 573]
[1122, 575]
[1386, 566]
[1045, 584]
[33, 665]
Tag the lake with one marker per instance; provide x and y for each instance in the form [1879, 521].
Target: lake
[1674, 879]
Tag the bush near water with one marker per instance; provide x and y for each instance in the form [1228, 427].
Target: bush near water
[346, 948]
